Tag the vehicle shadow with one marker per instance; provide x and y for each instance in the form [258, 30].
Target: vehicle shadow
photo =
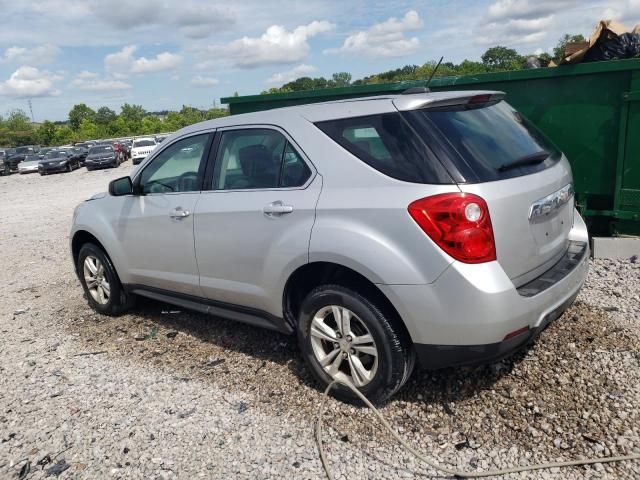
[425, 386]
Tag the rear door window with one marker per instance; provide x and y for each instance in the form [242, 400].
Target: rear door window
[257, 158]
[387, 143]
[483, 142]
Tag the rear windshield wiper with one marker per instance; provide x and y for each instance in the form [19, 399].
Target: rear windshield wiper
[531, 159]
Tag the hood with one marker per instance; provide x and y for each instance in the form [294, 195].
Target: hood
[30, 163]
[96, 156]
[54, 160]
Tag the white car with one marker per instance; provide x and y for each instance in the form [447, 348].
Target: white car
[140, 148]
[29, 164]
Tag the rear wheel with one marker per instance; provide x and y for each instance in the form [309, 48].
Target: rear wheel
[344, 336]
[100, 282]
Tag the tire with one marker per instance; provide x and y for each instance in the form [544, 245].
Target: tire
[69, 168]
[117, 301]
[395, 355]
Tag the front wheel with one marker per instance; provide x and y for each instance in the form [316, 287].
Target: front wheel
[100, 282]
[344, 336]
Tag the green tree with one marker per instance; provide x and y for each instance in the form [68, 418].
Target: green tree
[558, 52]
[79, 113]
[104, 116]
[151, 124]
[501, 58]
[133, 115]
[46, 133]
[64, 135]
[341, 79]
[88, 130]
[19, 130]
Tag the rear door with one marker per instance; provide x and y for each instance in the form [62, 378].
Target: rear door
[525, 180]
[254, 217]
[157, 224]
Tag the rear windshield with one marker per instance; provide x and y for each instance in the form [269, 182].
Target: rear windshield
[387, 143]
[483, 143]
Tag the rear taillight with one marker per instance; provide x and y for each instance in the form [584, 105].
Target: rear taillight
[459, 223]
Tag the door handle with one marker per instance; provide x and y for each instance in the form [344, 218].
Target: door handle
[178, 213]
[277, 208]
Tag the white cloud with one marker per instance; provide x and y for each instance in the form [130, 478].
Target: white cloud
[519, 22]
[203, 82]
[192, 19]
[28, 82]
[291, 74]
[386, 39]
[91, 81]
[124, 61]
[277, 46]
[39, 55]
[527, 9]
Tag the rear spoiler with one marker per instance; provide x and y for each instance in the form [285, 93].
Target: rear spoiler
[446, 99]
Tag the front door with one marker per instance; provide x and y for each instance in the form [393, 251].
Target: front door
[156, 225]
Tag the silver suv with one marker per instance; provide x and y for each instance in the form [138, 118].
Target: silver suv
[434, 225]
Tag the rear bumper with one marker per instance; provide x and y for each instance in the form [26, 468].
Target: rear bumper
[441, 356]
[467, 315]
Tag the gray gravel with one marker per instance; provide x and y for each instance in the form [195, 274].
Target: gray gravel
[161, 393]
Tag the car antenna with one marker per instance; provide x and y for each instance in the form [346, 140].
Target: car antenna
[433, 72]
[425, 89]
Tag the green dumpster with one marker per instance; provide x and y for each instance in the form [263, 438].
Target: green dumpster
[591, 111]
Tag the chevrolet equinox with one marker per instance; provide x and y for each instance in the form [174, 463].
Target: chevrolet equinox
[432, 226]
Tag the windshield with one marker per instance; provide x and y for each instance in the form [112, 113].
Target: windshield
[31, 158]
[101, 149]
[143, 143]
[55, 154]
[485, 143]
[24, 150]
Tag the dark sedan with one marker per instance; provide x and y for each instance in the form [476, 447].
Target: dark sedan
[80, 153]
[58, 161]
[102, 156]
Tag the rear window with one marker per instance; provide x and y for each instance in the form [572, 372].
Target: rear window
[483, 143]
[387, 143]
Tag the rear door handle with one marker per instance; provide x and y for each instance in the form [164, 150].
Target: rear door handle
[277, 208]
[178, 213]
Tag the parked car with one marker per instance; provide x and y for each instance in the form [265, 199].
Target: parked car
[140, 148]
[102, 156]
[43, 151]
[5, 168]
[121, 151]
[160, 138]
[436, 225]
[29, 164]
[55, 161]
[19, 155]
[80, 153]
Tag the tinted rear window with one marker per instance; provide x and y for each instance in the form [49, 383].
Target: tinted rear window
[479, 141]
[387, 143]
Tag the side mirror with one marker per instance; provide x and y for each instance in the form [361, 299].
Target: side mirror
[121, 186]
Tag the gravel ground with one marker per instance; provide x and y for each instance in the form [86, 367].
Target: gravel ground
[160, 393]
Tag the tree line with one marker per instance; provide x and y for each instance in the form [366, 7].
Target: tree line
[84, 123]
[495, 59]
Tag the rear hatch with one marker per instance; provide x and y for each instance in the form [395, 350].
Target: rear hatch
[493, 151]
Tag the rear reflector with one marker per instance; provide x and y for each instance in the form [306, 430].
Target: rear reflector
[515, 333]
[459, 223]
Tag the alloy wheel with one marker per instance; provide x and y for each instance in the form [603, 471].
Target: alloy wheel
[94, 277]
[343, 345]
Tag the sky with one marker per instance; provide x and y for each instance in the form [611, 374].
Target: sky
[163, 54]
